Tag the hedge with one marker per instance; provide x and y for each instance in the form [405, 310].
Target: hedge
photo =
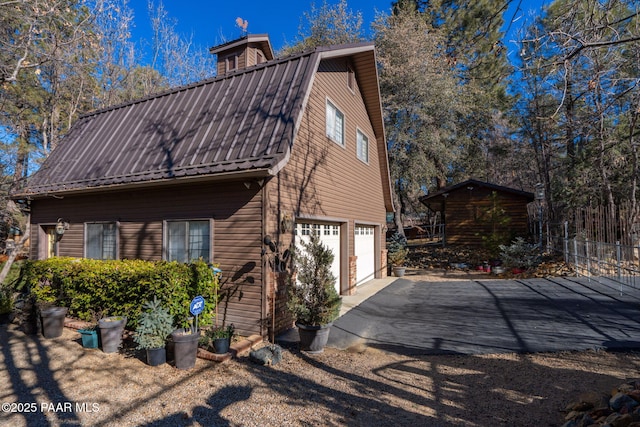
[92, 289]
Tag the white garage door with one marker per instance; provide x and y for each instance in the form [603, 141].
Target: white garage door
[365, 250]
[330, 237]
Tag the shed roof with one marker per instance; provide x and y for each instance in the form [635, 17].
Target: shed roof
[243, 122]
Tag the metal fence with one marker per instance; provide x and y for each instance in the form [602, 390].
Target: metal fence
[610, 262]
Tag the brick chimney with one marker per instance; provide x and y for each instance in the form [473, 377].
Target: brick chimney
[244, 52]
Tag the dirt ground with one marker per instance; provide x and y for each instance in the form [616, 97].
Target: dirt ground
[58, 382]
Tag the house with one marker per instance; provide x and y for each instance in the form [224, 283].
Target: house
[473, 210]
[232, 170]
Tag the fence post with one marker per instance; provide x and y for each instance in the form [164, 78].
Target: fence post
[575, 255]
[619, 260]
[565, 247]
[586, 251]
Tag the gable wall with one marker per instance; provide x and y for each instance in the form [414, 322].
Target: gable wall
[323, 180]
[237, 231]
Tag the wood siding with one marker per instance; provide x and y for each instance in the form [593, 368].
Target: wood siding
[237, 231]
[326, 182]
[467, 217]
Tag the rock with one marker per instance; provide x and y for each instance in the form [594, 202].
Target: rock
[268, 355]
[622, 402]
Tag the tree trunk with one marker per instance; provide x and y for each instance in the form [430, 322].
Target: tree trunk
[14, 253]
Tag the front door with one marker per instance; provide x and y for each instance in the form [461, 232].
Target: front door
[50, 242]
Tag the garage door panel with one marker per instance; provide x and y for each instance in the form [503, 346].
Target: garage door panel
[329, 236]
[365, 252]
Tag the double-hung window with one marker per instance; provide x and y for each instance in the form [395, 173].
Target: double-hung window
[335, 124]
[101, 240]
[188, 240]
[362, 146]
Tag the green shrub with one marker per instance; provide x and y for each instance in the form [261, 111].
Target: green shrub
[520, 254]
[93, 288]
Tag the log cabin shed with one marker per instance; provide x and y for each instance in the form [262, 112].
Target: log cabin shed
[471, 209]
[271, 149]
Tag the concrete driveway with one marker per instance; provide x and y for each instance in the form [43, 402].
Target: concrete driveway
[493, 316]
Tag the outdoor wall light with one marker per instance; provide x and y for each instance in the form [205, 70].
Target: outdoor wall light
[61, 226]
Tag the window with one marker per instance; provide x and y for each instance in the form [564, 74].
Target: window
[101, 241]
[188, 240]
[335, 124]
[231, 62]
[362, 147]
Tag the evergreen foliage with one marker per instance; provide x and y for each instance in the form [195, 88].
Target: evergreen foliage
[155, 324]
[92, 289]
[313, 299]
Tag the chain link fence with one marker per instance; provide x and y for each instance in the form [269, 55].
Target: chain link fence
[603, 262]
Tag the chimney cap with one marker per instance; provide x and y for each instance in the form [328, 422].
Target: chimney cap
[261, 39]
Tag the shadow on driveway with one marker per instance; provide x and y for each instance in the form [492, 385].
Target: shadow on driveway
[493, 316]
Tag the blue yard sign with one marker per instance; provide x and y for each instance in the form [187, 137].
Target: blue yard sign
[197, 305]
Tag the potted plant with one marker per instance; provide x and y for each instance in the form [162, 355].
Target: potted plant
[154, 326]
[397, 253]
[111, 329]
[89, 336]
[219, 338]
[312, 297]
[185, 346]
[52, 319]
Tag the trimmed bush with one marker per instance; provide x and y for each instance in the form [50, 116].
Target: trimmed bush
[92, 289]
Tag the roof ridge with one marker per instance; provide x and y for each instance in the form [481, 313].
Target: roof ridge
[199, 83]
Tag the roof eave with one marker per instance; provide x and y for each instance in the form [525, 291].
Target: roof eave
[221, 176]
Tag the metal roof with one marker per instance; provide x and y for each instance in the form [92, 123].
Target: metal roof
[243, 122]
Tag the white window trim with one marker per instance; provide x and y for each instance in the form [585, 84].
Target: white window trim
[84, 244]
[165, 236]
[365, 161]
[342, 143]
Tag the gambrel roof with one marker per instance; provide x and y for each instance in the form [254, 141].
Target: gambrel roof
[243, 122]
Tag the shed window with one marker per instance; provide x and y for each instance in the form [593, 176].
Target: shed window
[362, 146]
[101, 240]
[188, 240]
[335, 124]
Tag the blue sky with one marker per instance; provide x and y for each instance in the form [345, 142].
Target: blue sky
[211, 22]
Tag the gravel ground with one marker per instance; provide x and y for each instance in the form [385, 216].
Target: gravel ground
[58, 382]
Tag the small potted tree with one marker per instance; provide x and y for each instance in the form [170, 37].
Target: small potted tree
[397, 254]
[312, 297]
[154, 326]
[219, 338]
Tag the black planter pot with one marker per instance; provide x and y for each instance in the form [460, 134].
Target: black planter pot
[313, 339]
[221, 345]
[156, 356]
[185, 348]
[53, 321]
[111, 329]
